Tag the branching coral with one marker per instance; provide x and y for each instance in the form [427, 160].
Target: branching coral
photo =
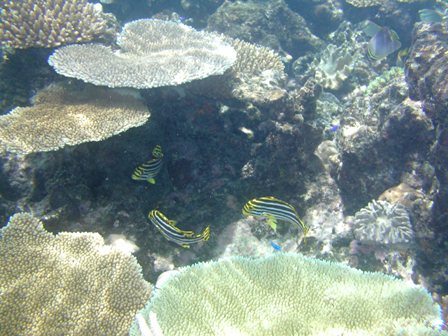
[383, 223]
[153, 53]
[64, 116]
[286, 294]
[65, 284]
[49, 23]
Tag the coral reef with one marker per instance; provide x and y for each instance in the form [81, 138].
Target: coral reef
[285, 294]
[381, 222]
[153, 53]
[256, 76]
[342, 65]
[65, 284]
[370, 3]
[379, 133]
[62, 115]
[50, 23]
[427, 77]
[268, 23]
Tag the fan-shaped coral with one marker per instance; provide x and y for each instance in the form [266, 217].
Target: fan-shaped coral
[65, 284]
[153, 53]
[64, 116]
[383, 223]
[49, 23]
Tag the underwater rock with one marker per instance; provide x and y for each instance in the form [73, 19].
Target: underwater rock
[268, 23]
[427, 68]
[427, 77]
[373, 152]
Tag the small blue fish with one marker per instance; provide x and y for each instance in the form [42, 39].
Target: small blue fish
[383, 43]
[275, 246]
[148, 171]
[334, 128]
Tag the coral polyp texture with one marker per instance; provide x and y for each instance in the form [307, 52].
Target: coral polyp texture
[370, 3]
[49, 23]
[152, 53]
[381, 222]
[63, 115]
[257, 75]
[285, 294]
[65, 284]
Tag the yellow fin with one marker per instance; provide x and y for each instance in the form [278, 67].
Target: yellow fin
[151, 180]
[271, 221]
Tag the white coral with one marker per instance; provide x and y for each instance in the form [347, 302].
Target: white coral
[153, 53]
[384, 223]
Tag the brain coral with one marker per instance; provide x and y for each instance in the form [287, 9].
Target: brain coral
[63, 115]
[49, 23]
[285, 294]
[153, 53]
[65, 284]
[381, 222]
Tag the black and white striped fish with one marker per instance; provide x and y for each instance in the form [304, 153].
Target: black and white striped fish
[273, 209]
[171, 232]
[148, 171]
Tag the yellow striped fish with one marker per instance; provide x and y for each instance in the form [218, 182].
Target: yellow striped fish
[148, 171]
[171, 232]
[274, 209]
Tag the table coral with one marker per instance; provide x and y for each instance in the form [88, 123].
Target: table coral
[286, 294]
[64, 115]
[153, 53]
[65, 284]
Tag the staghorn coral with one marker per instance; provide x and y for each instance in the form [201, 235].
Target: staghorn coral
[153, 53]
[65, 284]
[382, 222]
[49, 23]
[285, 294]
[62, 115]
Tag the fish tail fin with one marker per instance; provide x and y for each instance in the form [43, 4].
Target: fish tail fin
[205, 235]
